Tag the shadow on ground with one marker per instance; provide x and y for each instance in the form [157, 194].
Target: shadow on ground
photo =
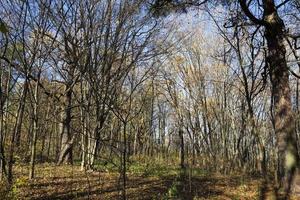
[76, 184]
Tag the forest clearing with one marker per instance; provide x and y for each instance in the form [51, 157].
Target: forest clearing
[150, 99]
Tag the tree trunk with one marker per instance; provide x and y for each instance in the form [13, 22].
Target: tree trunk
[83, 139]
[35, 131]
[124, 159]
[182, 165]
[2, 154]
[20, 118]
[281, 93]
[66, 141]
[4, 94]
[16, 132]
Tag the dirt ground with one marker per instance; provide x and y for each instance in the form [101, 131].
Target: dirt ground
[69, 182]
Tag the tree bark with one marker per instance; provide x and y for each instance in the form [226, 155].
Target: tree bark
[16, 132]
[35, 131]
[182, 159]
[281, 94]
[66, 137]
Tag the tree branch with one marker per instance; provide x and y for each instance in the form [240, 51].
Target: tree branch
[248, 13]
[29, 76]
[282, 3]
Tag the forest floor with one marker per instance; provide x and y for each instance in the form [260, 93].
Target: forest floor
[69, 182]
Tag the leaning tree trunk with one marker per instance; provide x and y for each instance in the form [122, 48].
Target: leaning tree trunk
[281, 93]
[65, 154]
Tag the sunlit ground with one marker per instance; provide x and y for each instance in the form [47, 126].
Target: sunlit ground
[144, 182]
